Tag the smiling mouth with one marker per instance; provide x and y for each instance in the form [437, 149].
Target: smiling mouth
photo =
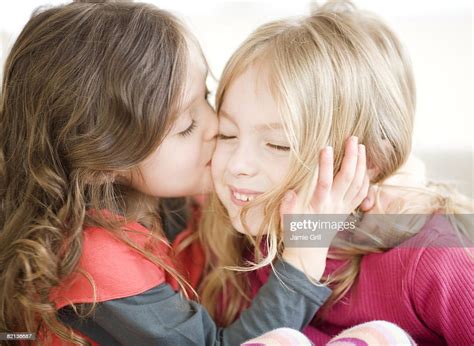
[241, 196]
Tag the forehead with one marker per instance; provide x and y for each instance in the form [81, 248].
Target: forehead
[248, 98]
[196, 73]
[196, 61]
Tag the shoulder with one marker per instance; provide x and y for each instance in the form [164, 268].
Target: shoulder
[443, 266]
[109, 268]
[438, 249]
[450, 265]
[441, 286]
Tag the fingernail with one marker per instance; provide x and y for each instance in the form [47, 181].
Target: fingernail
[354, 139]
[361, 148]
[329, 150]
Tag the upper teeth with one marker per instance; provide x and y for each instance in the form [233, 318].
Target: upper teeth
[242, 197]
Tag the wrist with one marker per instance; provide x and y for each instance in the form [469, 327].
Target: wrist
[311, 261]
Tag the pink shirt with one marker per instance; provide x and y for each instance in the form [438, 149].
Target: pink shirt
[427, 290]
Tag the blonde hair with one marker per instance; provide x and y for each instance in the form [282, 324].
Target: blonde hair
[82, 84]
[336, 73]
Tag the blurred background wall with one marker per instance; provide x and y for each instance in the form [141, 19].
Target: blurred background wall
[438, 35]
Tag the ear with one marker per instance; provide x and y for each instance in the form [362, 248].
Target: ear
[369, 202]
[372, 169]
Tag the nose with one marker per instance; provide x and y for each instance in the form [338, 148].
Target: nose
[242, 162]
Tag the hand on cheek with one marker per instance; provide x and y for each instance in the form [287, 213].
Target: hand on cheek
[340, 196]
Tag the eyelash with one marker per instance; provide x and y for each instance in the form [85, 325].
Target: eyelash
[189, 130]
[224, 137]
[272, 146]
[278, 147]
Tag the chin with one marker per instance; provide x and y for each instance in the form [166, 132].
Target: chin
[240, 228]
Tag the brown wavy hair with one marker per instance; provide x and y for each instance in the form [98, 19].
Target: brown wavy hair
[82, 85]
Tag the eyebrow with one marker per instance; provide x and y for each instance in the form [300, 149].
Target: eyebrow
[259, 127]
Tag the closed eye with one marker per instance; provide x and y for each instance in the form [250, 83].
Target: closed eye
[278, 147]
[224, 137]
[189, 130]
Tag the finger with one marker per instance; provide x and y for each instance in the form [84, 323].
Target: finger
[360, 173]
[325, 177]
[346, 174]
[369, 202]
[287, 209]
[363, 191]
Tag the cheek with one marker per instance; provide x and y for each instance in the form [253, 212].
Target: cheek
[218, 164]
[183, 156]
[177, 164]
[277, 169]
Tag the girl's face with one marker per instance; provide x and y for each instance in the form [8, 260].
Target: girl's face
[181, 166]
[252, 154]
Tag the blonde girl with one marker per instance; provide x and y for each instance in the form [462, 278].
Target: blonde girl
[318, 80]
